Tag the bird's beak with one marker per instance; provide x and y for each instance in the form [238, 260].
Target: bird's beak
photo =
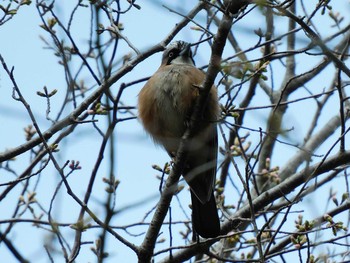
[186, 50]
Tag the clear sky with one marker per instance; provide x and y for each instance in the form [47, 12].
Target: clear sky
[36, 67]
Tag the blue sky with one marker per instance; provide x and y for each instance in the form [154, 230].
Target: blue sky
[36, 67]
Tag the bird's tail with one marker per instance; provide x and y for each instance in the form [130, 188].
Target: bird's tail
[205, 217]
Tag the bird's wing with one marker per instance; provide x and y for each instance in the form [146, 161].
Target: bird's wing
[201, 163]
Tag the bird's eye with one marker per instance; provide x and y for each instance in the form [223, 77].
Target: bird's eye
[171, 54]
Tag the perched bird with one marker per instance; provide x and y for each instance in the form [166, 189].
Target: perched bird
[165, 105]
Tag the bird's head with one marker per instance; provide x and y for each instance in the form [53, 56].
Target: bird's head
[178, 52]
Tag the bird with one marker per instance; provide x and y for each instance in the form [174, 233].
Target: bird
[165, 104]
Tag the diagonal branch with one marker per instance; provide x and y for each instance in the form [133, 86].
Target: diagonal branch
[316, 40]
[317, 222]
[73, 117]
[266, 198]
[147, 247]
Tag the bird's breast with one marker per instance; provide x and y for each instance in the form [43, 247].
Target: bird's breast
[174, 99]
[175, 90]
[166, 101]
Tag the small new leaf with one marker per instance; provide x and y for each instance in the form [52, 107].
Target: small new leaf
[11, 12]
